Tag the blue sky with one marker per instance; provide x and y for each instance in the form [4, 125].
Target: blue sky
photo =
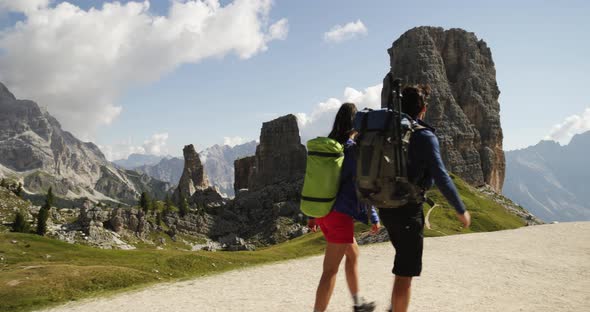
[540, 49]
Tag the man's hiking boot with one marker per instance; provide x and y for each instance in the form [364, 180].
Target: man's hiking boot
[365, 307]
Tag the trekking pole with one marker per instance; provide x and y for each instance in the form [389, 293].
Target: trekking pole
[396, 86]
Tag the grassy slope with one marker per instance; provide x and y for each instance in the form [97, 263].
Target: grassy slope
[486, 215]
[9, 204]
[37, 271]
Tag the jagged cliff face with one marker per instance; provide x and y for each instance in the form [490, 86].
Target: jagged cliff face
[35, 148]
[280, 156]
[464, 102]
[243, 170]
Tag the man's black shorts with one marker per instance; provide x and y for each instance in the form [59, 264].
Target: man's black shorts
[406, 232]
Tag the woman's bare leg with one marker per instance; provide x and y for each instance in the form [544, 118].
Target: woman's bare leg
[351, 268]
[332, 258]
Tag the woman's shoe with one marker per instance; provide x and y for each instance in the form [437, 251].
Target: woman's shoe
[365, 307]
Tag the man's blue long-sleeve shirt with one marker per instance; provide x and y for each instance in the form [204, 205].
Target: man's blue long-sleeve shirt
[425, 166]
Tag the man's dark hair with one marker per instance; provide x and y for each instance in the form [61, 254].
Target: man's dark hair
[414, 99]
[343, 123]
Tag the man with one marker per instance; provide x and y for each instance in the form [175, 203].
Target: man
[405, 225]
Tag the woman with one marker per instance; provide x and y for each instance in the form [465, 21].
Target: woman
[338, 225]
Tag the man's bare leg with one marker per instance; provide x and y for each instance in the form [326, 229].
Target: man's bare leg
[400, 296]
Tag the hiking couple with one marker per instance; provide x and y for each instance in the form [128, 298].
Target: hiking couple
[404, 224]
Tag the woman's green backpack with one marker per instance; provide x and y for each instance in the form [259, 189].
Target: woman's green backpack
[325, 157]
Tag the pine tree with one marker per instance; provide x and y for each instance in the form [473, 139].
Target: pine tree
[49, 199]
[154, 205]
[3, 183]
[183, 206]
[168, 205]
[145, 202]
[159, 218]
[20, 224]
[44, 213]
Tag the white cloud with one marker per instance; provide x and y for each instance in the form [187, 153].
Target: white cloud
[233, 141]
[320, 120]
[572, 125]
[349, 31]
[279, 30]
[23, 5]
[77, 62]
[155, 145]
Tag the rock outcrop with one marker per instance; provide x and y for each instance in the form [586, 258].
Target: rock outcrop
[194, 185]
[37, 150]
[463, 105]
[193, 177]
[280, 156]
[217, 161]
[268, 211]
[243, 170]
[95, 222]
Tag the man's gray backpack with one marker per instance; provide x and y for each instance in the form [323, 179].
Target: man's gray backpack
[382, 152]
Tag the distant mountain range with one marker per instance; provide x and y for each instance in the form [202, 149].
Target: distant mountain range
[550, 180]
[218, 162]
[37, 152]
[138, 160]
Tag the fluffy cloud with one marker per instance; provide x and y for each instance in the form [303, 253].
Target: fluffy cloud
[233, 141]
[155, 145]
[349, 31]
[23, 5]
[77, 62]
[572, 125]
[320, 120]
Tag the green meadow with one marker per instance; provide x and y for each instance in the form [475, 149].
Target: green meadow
[36, 271]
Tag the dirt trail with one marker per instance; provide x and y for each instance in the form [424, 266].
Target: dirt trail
[541, 268]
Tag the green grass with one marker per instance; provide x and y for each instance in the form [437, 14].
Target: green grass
[37, 271]
[9, 204]
[486, 214]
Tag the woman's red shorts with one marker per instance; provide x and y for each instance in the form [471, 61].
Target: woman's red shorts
[338, 227]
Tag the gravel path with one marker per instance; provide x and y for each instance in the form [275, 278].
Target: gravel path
[540, 268]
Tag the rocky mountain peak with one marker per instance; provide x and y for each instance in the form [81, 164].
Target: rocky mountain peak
[581, 139]
[550, 180]
[5, 93]
[193, 177]
[40, 153]
[280, 156]
[464, 101]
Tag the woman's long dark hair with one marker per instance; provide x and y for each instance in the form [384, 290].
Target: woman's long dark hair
[343, 123]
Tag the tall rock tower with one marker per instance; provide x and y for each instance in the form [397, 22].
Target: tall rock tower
[280, 157]
[193, 177]
[463, 105]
